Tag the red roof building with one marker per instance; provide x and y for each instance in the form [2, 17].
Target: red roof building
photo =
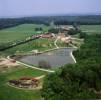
[47, 35]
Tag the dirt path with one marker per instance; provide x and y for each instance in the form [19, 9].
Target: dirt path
[40, 77]
[55, 42]
[7, 62]
[51, 71]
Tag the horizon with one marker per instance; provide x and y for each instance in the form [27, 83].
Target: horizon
[28, 8]
[51, 15]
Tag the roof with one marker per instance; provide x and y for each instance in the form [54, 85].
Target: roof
[28, 78]
[25, 78]
[46, 35]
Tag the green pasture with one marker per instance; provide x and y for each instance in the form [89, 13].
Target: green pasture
[11, 93]
[91, 29]
[19, 32]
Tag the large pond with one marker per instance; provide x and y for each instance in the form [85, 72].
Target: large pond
[55, 58]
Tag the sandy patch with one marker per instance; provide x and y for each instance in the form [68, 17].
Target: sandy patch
[7, 62]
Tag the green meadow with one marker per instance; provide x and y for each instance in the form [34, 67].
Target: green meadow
[91, 29]
[10, 93]
[19, 32]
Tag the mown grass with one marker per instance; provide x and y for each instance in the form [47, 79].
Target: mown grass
[11, 93]
[39, 44]
[19, 32]
[91, 29]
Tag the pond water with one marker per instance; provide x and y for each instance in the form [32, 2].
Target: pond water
[55, 58]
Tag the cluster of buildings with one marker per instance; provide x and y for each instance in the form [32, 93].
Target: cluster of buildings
[62, 34]
[64, 38]
[48, 35]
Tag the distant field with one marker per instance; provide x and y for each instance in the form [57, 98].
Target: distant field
[25, 30]
[19, 32]
[91, 29]
[11, 93]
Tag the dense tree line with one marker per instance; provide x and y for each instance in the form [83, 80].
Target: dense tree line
[58, 20]
[80, 81]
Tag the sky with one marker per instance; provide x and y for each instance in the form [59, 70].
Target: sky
[17, 8]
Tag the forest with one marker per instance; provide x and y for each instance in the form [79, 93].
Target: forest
[58, 20]
[80, 81]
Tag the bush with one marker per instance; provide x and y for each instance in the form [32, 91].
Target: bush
[44, 64]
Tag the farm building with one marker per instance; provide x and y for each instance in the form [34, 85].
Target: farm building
[47, 35]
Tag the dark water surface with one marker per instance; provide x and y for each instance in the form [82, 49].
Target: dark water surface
[55, 58]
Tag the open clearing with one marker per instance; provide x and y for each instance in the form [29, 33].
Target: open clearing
[18, 94]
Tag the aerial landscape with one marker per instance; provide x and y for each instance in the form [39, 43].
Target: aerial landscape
[50, 50]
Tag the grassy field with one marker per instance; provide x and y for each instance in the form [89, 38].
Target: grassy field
[25, 30]
[11, 93]
[91, 29]
[39, 44]
[19, 32]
